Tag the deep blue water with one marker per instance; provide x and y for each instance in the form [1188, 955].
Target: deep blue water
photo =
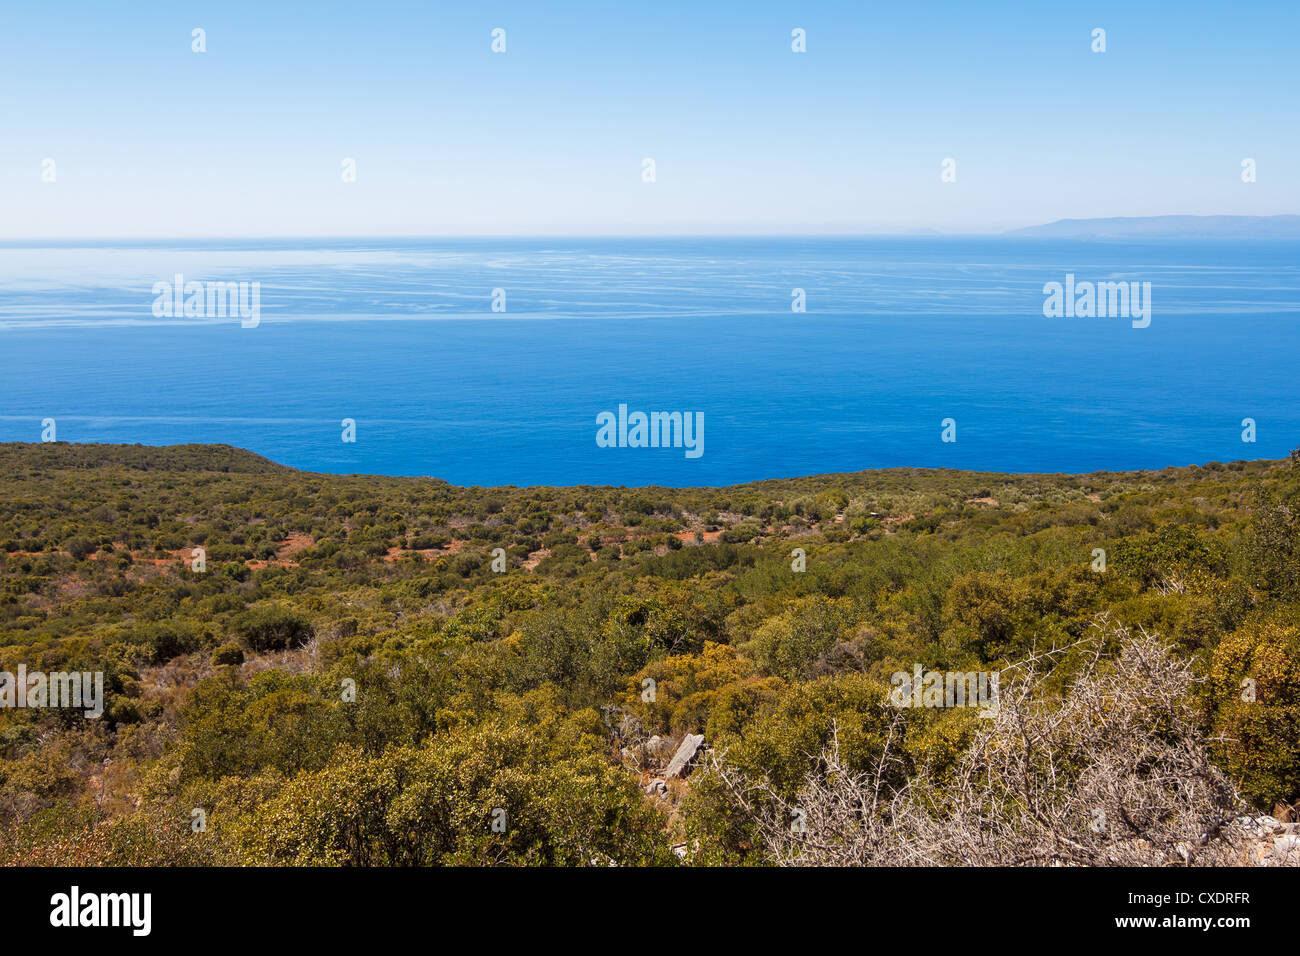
[898, 335]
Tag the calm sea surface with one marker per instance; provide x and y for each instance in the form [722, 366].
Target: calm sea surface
[899, 334]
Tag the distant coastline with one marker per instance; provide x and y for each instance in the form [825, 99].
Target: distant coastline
[1166, 227]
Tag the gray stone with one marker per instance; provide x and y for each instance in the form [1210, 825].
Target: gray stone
[1286, 850]
[1256, 826]
[680, 765]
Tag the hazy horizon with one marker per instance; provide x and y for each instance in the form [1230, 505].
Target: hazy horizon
[917, 233]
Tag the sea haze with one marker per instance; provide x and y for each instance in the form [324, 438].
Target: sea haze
[899, 334]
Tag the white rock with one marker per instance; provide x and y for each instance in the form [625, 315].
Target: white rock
[681, 762]
[1258, 826]
[1286, 850]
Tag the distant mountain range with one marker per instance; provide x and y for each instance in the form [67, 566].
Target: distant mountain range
[1168, 227]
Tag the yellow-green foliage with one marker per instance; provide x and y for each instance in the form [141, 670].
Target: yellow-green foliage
[349, 681]
[1255, 701]
[496, 793]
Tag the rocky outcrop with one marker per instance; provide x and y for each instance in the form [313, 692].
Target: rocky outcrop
[680, 766]
[1269, 841]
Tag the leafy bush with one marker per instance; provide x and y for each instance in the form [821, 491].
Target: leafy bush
[272, 627]
[231, 653]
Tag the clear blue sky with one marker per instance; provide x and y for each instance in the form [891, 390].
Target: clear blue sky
[150, 139]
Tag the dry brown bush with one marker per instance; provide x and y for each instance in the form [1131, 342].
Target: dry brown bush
[1110, 771]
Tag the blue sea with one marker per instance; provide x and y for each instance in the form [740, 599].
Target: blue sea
[898, 335]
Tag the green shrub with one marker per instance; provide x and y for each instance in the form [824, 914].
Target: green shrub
[272, 628]
[230, 653]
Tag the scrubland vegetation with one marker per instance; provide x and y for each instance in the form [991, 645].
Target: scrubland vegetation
[348, 680]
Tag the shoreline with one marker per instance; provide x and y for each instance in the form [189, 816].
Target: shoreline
[269, 464]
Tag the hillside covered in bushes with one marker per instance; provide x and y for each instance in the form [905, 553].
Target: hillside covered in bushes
[315, 669]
